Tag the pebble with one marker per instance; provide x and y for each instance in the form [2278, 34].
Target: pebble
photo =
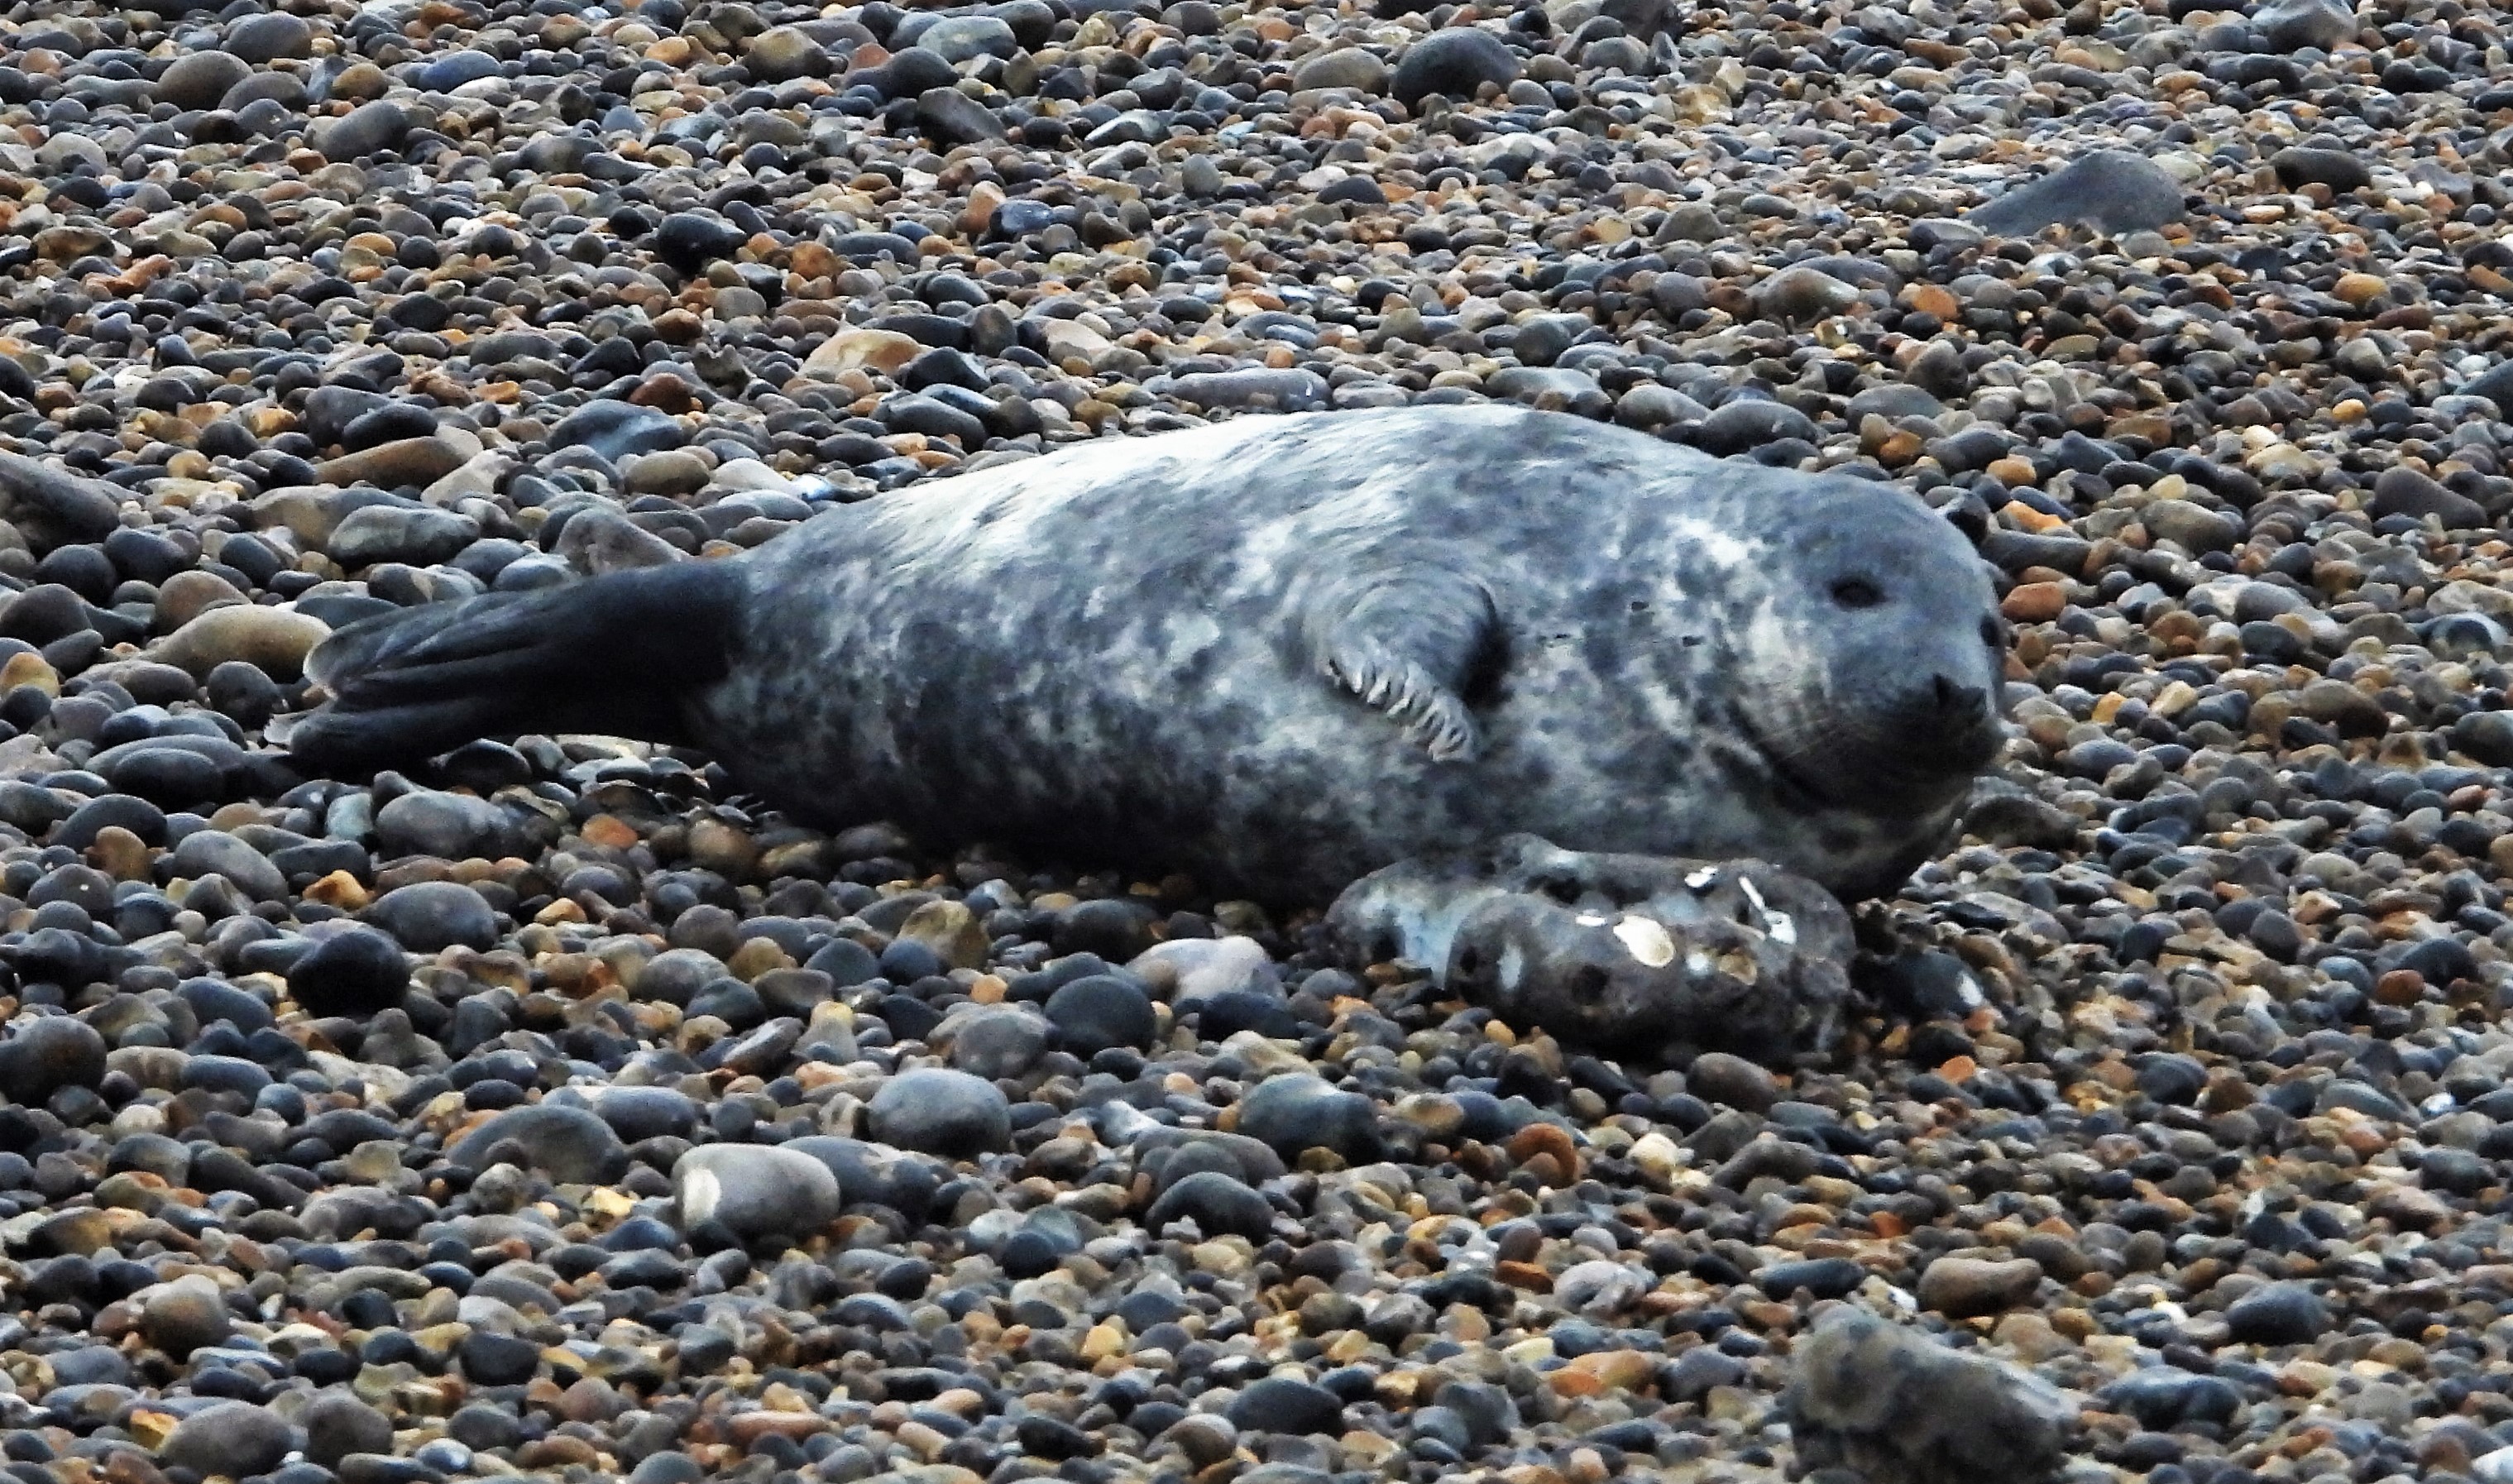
[934, 1110]
[354, 974]
[963, 38]
[1187, 970]
[1218, 1203]
[491, 1359]
[1454, 63]
[1286, 1404]
[269, 36]
[185, 1315]
[51, 506]
[1352, 68]
[1747, 423]
[1731, 1080]
[200, 80]
[754, 1191]
[2404, 491]
[639, 1114]
[216, 853]
[369, 129]
[614, 430]
[2276, 1315]
[1884, 1402]
[228, 1439]
[2111, 190]
[1693, 1374]
[2298, 166]
[427, 916]
[271, 640]
[572, 1145]
[47, 1054]
[1964, 1287]
[1000, 1041]
[337, 1423]
[1100, 1011]
[458, 826]
[2292, 26]
[1292, 1113]
[1804, 294]
[785, 52]
[414, 535]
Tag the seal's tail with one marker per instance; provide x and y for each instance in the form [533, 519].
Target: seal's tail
[613, 654]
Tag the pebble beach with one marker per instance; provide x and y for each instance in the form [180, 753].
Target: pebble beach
[552, 1108]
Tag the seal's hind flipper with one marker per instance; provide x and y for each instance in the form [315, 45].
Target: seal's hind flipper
[613, 654]
[1413, 644]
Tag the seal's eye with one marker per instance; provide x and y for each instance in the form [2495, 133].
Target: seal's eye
[1993, 633]
[1857, 592]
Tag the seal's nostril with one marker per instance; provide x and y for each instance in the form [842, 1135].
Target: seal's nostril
[1953, 697]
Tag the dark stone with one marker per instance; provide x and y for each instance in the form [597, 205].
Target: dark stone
[49, 1053]
[2276, 1315]
[2403, 491]
[427, 916]
[1282, 1404]
[689, 242]
[569, 1144]
[51, 506]
[933, 1110]
[370, 127]
[1696, 1372]
[232, 1439]
[1746, 423]
[1823, 1278]
[492, 1359]
[1454, 62]
[1219, 1204]
[2455, 1172]
[618, 430]
[1298, 1111]
[2297, 167]
[2172, 1078]
[337, 1423]
[1113, 929]
[1098, 1011]
[354, 974]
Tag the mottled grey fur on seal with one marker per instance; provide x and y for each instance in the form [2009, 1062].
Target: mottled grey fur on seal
[1280, 653]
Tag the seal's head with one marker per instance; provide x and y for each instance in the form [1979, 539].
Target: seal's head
[1881, 652]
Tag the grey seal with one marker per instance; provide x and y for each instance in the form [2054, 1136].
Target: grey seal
[1277, 653]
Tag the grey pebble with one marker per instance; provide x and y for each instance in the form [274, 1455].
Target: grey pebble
[1218, 1203]
[428, 915]
[1298, 1111]
[2111, 190]
[1454, 62]
[934, 1110]
[754, 1191]
[232, 1439]
[570, 1145]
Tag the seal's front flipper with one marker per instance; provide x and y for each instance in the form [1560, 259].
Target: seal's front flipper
[1413, 644]
[613, 654]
